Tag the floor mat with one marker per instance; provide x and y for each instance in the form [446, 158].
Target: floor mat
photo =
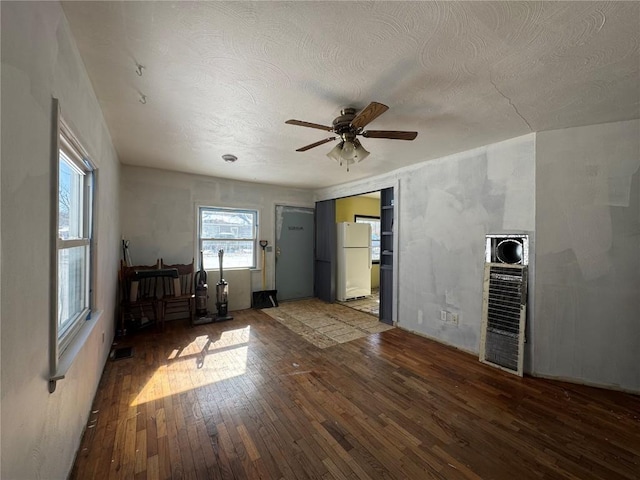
[325, 324]
[120, 353]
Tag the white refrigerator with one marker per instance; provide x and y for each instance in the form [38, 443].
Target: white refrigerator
[354, 260]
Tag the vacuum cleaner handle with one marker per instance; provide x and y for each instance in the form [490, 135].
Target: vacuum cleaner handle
[201, 276]
[220, 255]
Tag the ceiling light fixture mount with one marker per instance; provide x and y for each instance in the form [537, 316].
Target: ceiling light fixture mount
[229, 158]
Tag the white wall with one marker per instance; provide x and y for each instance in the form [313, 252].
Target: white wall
[158, 212]
[41, 431]
[588, 254]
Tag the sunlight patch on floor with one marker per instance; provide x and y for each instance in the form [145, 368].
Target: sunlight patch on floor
[202, 362]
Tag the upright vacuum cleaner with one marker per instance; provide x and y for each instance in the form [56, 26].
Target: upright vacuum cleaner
[201, 295]
[222, 294]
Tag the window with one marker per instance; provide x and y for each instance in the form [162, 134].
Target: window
[375, 235]
[231, 230]
[75, 216]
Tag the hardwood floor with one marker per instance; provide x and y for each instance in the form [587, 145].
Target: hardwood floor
[250, 399]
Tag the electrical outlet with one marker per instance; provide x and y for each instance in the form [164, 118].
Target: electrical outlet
[443, 315]
[454, 318]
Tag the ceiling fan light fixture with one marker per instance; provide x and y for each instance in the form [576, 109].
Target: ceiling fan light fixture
[336, 153]
[361, 154]
[349, 152]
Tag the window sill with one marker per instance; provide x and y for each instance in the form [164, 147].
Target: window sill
[71, 352]
[229, 269]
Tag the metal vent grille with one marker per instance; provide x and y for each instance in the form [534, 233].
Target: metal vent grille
[503, 316]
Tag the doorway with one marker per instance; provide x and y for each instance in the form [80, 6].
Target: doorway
[375, 208]
[294, 252]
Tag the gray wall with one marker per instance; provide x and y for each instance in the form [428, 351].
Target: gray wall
[41, 431]
[446, 208]
[159, 212]
[583, 186]
[588, 254]
[443, 210]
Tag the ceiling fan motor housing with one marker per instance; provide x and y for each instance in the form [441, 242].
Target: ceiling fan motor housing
[342, 124]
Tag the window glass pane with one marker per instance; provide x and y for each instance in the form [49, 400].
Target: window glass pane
[227, 224]
[70, 200]
[72, 285]
[236, 253]
[233, 231]
[375, 250]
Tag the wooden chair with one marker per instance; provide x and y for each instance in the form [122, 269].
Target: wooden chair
[178, 293]
[138, 297]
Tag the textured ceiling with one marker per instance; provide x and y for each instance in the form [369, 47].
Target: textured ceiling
[222, 77]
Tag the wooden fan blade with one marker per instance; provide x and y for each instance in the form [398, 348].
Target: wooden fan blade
[373, 111]
[390, 134]
[300, 123]
[321, 142]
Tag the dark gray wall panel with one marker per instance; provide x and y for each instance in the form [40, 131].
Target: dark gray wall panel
[325, 251]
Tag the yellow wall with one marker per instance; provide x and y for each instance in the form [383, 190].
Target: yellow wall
[347, 208]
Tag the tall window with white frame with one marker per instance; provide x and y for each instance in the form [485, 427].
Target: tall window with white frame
[232, 230]
[75, 221]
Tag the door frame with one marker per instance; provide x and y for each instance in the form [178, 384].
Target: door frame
[360, 188]
[324, 281]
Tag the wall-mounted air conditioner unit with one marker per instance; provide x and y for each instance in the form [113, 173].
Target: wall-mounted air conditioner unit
[510, 249]
[504, 304]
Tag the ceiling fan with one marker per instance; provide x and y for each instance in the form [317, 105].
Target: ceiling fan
[349, 125]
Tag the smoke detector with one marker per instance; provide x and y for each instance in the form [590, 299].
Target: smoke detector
[227, 157]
